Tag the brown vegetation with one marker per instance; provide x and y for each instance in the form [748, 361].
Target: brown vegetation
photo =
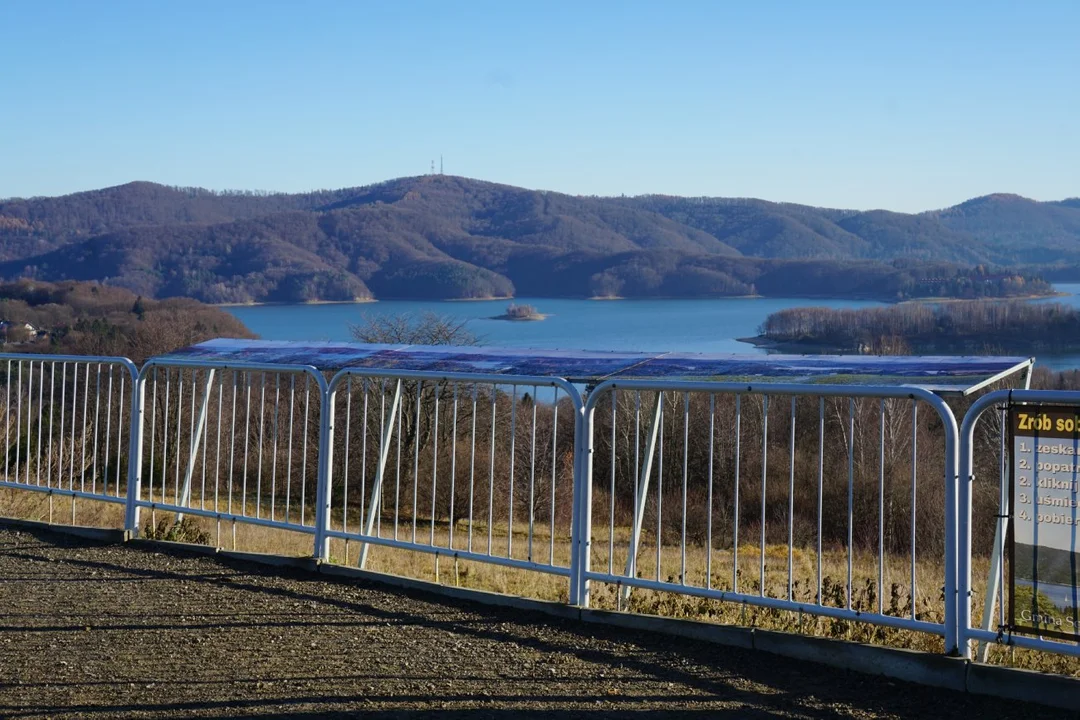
[92, 319]
[973, 327]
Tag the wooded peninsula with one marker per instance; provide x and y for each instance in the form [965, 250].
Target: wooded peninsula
[982, 327]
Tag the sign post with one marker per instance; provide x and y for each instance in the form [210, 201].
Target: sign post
[1044, 567]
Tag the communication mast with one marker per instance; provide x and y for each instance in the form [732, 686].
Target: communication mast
[440, 165]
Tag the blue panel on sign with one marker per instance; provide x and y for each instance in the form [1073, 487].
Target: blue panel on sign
[593, 366]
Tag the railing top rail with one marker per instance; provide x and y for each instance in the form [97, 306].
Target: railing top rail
[84, 359]
[766, 388]
[197, 364]
[486, 378]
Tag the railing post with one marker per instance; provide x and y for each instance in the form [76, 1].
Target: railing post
[135, 451]
[581, 530]
[952, 632]
[967, 478]
[325, 470]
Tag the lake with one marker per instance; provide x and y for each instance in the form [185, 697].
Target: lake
[648, 325]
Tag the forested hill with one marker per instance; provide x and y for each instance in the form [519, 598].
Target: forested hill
[440, 236]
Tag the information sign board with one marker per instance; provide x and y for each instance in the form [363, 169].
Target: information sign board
[1045, 520]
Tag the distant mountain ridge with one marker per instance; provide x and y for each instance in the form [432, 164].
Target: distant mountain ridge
[438, 236]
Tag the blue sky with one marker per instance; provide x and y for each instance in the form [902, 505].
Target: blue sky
[906, 105]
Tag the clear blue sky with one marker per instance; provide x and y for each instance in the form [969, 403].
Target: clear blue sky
[904, 105]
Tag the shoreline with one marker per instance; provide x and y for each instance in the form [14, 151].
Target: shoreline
[612, 298]
[530, 318]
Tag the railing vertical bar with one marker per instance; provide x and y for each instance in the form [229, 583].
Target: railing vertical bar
[453, 470]
[74, 419]
[247, 445]
[304, 457]
[345, 465]
[685, 481]
[52, 408]
[153, 426]
[764, 476]
[262, 442]
[416, 455]
[472, 466]
[186, 493]
[820, 490]
[914, 497]
[611, 492]
[7, 421]
[232, 444]
[735, 535]
[400, 420]
[179, 426]
[274, 457]
[217, 451]
[881, 508]
[30, 418]
[532, 475]
[364, 390]
[289, 452]
[639, 501]
[791, 510]
[86, 406]
[18, 418]
[97, 418]
[660, 492]
[709, 494]
[434, 462]
[513, 448]
[41, 418]
[19, 424]
[851, 495]
[165, 435]
[554, 471]
[205, 445]
[491, 473]
[108, 429]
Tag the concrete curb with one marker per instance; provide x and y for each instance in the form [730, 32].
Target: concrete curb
[901, 664]
[108, 535]
[693, 629]
[906, 665]
[1024, 685]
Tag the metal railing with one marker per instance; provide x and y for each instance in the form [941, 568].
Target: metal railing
[816, 499]
[994, 628]
[741, 464]
[239, 444]
[67, 429]
[461, 466]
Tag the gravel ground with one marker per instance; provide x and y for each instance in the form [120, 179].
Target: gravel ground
[96, 630]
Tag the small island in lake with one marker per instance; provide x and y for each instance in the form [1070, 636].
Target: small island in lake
[520, 312]
[975, 327]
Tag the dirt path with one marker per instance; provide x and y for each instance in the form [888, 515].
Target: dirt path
[103, 631]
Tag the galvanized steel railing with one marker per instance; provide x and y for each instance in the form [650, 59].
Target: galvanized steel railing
[68, 422]
[460, 466]
[993, 628]
[684, 418]
[521, 472]
[239, 444]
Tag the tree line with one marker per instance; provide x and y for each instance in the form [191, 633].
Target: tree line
[917, 327]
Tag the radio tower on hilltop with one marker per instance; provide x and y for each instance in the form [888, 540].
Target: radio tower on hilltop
[440, 165]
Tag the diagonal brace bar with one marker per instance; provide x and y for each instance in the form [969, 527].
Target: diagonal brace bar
[642, 493]
[376, 488]
[196, 441]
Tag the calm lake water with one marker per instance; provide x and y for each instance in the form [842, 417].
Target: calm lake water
[675, 325]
